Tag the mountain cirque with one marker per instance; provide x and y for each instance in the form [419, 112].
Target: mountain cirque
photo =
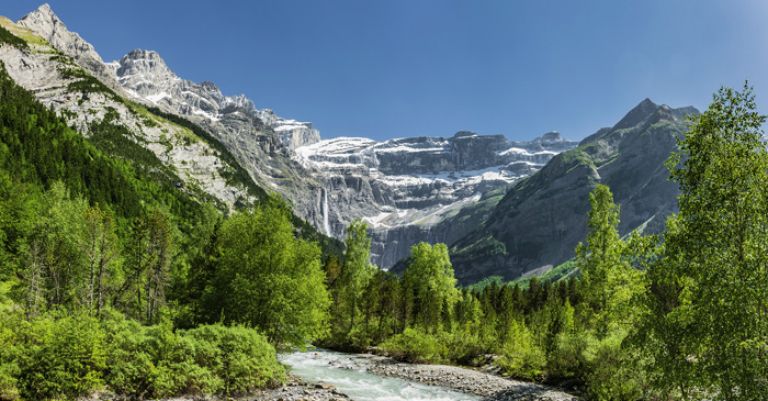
[405, 188]
[506, 207]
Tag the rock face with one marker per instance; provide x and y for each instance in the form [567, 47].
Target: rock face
[410, 189]
[45, 23]
[542, 218]
[403, 187]
[144, 74]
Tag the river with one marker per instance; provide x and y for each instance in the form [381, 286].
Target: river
[348, 374]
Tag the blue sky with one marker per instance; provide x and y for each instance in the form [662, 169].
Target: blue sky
[401, 68]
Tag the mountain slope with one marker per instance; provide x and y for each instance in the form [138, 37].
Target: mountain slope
[85, 102]
[541, 219]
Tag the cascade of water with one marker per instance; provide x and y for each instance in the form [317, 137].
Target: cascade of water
[326, 224]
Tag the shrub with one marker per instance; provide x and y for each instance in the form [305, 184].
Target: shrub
[415, 346]
[569, 358]
[240, 356]
[10, 317]
[131, 367]
[521, 357]
[614, 372]
[62, 357]
[467, 347]
[157, 361]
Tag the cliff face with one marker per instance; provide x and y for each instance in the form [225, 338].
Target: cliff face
[410, 189]
[541, 219]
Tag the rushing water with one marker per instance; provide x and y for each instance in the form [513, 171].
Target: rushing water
[349, 376]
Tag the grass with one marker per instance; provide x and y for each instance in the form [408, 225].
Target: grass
[559, 272]
[7, 37]
[24, 34]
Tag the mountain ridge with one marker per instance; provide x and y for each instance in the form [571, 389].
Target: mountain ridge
[540, 219]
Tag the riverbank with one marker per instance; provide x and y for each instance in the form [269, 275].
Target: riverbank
[298, 390]
[483, 385]
[294, 389]
[487, 385]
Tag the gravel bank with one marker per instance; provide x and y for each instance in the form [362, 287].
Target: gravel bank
[293, 390]
[489, 386]
[296, 390]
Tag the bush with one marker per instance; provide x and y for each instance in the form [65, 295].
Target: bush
[466, 347]
[61, 357]
[614, 372]
[9, 368]
[131, 367]
[64, 357]
[569, 358]
[157, 362]
[415, 346]
[240, 356]
[520, 356]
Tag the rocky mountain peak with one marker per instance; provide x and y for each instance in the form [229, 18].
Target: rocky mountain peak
[45, 23]
[146, 63]
[551, 137]
[639, 113]
[45, 11]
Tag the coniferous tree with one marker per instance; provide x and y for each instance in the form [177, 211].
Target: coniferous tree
[608, 283]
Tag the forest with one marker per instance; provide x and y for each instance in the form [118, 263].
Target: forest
[112, 277]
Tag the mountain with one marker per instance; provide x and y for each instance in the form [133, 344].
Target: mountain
[61, 75]
[410, 189]
[539, 222]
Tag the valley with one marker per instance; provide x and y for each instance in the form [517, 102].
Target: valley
[161, 239]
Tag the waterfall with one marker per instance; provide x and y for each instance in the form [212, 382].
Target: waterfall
[326, 225]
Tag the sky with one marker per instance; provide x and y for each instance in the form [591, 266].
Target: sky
[396, 68]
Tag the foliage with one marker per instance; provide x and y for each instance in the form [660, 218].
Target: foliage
[240, 356]
[521, 357]
[11, 39]
[429, 287]
[100, 254]
[69, 355]
[61, 357]
[269, 279]
[708, 329]
[416, 346]
[113, 278]
[609, 284]
[353, 279]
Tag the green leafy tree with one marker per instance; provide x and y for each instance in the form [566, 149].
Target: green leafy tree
[356, 273]
[430, 287]
[269, 279]
[709, 326]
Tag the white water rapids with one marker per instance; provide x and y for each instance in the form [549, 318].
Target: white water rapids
[351, 378]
